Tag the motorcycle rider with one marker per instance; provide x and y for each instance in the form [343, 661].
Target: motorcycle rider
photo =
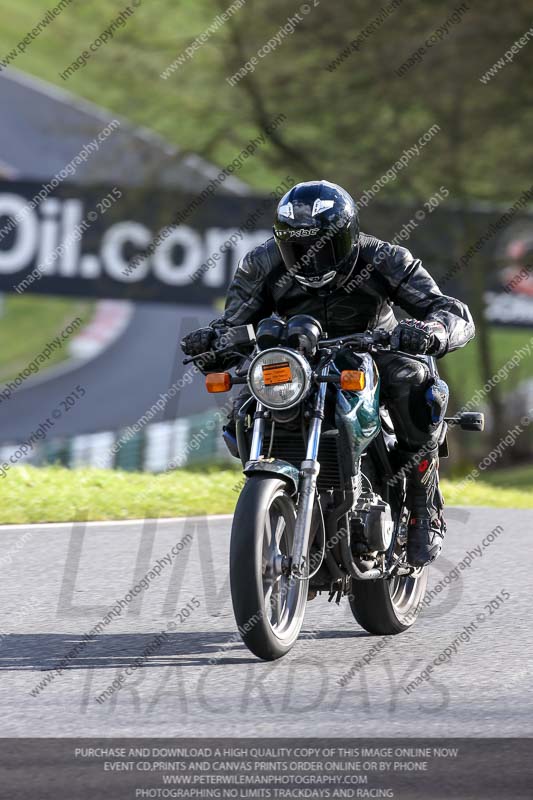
[319, 262]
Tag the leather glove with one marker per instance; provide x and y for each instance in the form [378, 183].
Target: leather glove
[419, 338]
[198, 342]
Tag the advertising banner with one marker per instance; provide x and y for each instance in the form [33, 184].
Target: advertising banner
[164, 246]
[136, 244]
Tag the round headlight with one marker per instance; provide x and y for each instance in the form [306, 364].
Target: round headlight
[279, 378]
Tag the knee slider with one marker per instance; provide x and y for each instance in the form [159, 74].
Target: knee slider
[410, 371]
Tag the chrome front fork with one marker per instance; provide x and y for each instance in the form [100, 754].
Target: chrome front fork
[309, 471]
[258, 435]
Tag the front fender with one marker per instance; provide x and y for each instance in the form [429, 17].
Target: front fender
[277, 467]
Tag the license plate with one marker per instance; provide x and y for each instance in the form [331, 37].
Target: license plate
[274, 374]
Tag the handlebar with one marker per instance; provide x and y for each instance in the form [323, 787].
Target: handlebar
[362, 342]
[359, 342]
[210, 355]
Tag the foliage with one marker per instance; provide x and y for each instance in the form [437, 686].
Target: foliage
[348, 125]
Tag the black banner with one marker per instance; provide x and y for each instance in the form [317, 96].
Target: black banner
[159, 245]
[406, 769]
[136, 244]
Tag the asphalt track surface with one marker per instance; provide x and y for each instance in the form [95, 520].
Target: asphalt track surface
[121, 384]
[47, 127]
[58, 581]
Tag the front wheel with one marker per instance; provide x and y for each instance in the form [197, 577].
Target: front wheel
[269, 606]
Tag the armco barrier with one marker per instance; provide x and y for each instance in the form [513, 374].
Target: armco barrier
[159, 446]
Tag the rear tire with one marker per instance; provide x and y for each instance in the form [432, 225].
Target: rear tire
[388, 607]
[269, 607]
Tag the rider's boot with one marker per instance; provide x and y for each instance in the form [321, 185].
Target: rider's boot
[427, 527]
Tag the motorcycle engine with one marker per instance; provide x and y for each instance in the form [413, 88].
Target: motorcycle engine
[371, 526]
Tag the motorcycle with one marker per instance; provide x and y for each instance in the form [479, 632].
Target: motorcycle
[323, 508]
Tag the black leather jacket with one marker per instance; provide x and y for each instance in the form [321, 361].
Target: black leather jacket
[383, 274]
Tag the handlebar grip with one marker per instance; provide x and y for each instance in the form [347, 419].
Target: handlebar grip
[206, 357]
[382, 337]
[228, 340]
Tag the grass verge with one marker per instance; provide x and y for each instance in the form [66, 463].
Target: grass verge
[483, 493]
[56, 494]
[29, 323]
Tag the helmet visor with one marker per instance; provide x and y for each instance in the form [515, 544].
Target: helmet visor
[316, 261]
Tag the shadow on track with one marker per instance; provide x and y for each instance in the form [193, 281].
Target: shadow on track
[46, 651]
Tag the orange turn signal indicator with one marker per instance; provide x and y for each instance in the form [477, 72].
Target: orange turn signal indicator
[218, 382]
[353, 380]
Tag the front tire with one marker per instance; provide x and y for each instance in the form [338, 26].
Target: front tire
[269, 607]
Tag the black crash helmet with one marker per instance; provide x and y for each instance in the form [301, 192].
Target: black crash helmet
[317, 232]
